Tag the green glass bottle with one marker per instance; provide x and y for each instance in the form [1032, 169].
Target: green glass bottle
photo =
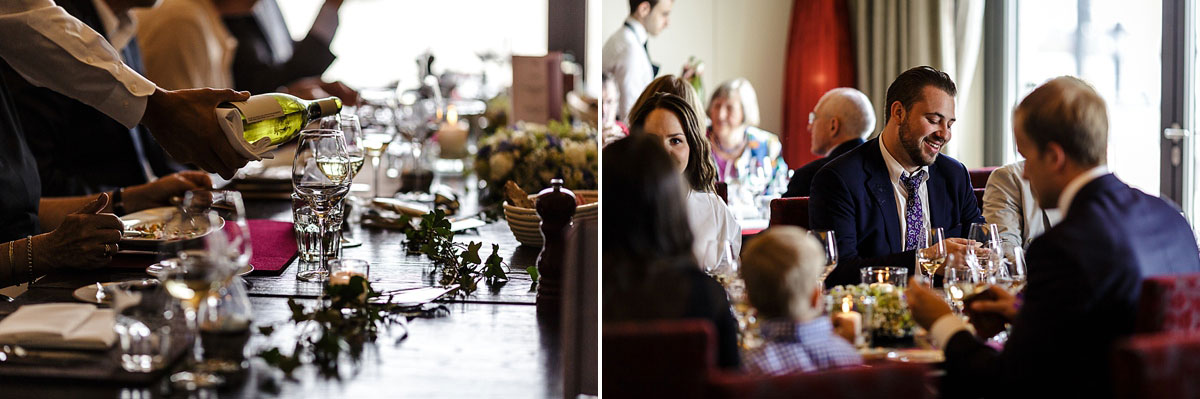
[280, 117]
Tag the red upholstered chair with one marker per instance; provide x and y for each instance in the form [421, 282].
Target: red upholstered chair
[723, 191]
[789, 211]
[980, 176]
[1169, 303]
[883, 381]
[661, 359]
[1165, 365]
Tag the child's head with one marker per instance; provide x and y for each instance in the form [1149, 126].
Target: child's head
[782, 269]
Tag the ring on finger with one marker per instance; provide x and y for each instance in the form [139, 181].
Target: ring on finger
[108, 250]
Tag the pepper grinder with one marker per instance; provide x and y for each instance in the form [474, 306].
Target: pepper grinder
[556, 207]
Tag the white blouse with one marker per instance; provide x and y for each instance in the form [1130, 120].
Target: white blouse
[714, 228]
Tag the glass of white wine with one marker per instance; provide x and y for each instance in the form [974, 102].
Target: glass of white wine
[321, 174]
[356, 149]
[829, 244]
[1014, 268]
[960, 281]
[191, 281]
[375, 143]
[933, 255]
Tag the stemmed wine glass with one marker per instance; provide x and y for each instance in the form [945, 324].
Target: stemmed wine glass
[356, 147]
[829, 244]
[1014, 268]
[230, 211]
[321, 175]
[191, 280]
[375, 142]
[933, 255]
[987, 236]
[960, 281]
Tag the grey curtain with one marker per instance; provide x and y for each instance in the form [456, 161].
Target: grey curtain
[892, 36]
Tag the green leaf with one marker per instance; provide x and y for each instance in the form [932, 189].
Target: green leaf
[266, 330]
[471, 255]
[494, 269]
[298, 313]
[533, 273]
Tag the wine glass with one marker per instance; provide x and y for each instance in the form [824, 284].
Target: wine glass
[1014, 268]
[829, 244]
[356, 148]
[190, 282]
[226, 208]
[375, 142]
[934, 254]
[321, 177]
[960, 281]
[987, 252]
[727, 262]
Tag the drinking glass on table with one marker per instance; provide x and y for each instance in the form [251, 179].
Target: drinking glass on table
[1013, 260]
[960, 281]
[321, 177]
[930, 258]
[829, 244]
[230, 211]
[356, 147]
[987, 250]
[375, 143]
[191, 281]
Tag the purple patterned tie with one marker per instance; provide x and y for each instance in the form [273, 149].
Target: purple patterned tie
[914, 215]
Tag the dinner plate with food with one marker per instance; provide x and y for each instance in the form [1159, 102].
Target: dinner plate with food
[149, 228]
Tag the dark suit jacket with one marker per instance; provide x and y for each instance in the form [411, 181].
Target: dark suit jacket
[802, 178]
[853, 196]
[20, 188]
[266, 57]
[80, 150]
[1085, 277]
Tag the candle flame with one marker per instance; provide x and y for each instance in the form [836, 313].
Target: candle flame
[846, 305]
[451, 115]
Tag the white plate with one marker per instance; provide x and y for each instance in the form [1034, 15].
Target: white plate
[87, 293]
[156, 269]
[158, 216]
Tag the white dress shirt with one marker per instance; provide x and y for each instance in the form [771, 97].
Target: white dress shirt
[626, 59]
[186, 45]
[946, 326]
[52, 49]
[714, 229]
[895, 170]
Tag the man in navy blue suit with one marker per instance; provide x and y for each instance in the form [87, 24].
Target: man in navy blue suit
[1085, 273]
[881, 198]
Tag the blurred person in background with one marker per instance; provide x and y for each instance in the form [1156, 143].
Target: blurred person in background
[626, 55]
[840, 121]
[749, 159]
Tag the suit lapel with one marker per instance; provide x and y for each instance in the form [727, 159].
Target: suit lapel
[879, 187]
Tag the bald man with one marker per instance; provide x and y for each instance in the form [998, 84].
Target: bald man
[838, 123]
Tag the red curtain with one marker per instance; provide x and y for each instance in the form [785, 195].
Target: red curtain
[820, 57]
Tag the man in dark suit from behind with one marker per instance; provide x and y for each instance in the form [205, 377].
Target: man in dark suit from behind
[1085, 273]
[837, 124]
[881, 198]
[89, 152]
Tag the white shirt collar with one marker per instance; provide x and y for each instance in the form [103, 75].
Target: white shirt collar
[1073, 187]
[118, 29]
[895, 170]
[639, 31]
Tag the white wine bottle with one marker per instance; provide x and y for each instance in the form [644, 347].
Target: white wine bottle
[280, 117]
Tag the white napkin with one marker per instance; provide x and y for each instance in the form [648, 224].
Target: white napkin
[59, 326]
[231, 122]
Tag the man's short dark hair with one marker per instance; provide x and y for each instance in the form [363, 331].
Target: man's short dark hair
[909, 86]
[633, 4]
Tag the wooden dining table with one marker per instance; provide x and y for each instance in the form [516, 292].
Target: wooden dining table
[488, 344]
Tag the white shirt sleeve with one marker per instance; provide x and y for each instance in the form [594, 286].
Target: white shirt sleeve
[51, 49]
[944, 328]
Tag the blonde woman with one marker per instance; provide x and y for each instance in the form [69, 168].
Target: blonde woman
[749, 159]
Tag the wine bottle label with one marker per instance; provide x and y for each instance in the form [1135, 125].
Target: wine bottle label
[259, 108]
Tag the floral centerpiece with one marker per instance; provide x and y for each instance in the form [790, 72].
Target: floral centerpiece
[889, 317]
[532, 154]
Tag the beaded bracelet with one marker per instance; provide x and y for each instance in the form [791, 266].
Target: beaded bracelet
[29, 255]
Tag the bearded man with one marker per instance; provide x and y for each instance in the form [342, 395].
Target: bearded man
[881, 198]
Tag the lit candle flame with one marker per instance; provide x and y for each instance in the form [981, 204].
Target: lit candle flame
[846, 306]
[451, 115]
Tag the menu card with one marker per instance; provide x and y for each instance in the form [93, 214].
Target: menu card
[537, 88]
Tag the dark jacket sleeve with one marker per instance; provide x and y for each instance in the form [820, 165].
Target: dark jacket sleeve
[832, 207]
[254, 69]
[708, 300]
